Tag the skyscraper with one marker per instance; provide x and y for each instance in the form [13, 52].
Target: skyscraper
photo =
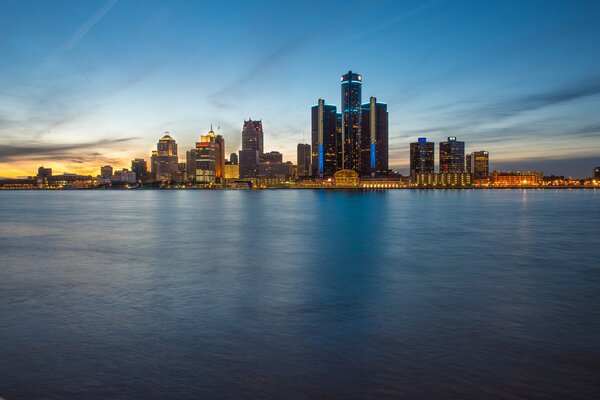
[324, 146]
[252, 136]
[106, 172]
[374, 138]
[210, 161]
[166, 158]
[479, 164]
[140, 167]
[233, 159]
[422, 157]
[351, 126]
[303, 160]
[596, 173]
[248, 163]
[452, 155]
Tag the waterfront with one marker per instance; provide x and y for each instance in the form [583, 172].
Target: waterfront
[300, 294]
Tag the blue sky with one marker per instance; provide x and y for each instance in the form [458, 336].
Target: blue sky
[87, 83]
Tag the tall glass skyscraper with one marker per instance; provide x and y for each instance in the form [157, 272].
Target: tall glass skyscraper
[324, 143]
[351, 127]
[422, 157]
[374, 138]
[452, 155]
[252, 136]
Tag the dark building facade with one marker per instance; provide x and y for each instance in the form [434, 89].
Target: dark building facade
[252, 136]
[303, 160]
[233, 159]
[324, 143]
[479, 164]
[249, 163]
[452, 156]
[351, 125]
[272, 157]
[374, 138]
[596, 173]
[140, 167]
[422, 157]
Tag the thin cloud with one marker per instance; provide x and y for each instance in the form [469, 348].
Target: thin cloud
[74, 39]
[19, 152]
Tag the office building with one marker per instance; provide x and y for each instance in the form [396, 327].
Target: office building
[248, 166]
[374, 138]
[422, 157]
[351, 125]
[517, 178]
[44, 172]
[303, 160]
[232, 171]
[596, 173]
[443, 180]
[324, 145]
[452, 156]
[106, 172]
[275, 170]
[165, 160]
[233, 159]
[140, 168]
[124, 176]
[252, 136]
[478, 164]
[210, 161]
[271, 157]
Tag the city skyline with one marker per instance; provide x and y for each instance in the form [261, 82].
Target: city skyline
[76, 97]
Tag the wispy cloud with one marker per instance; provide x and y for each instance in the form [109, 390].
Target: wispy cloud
[74, 39]
[40, 151]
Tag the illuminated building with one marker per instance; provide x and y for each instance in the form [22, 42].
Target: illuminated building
[346, 178]
[452, 155]
[374, 138]
[303, 160]
[252, 136]
[233, 159]
[140, 167]
[166, 158]
[596, 173]
[339, 141]
[478, 163]
[324, 145]
[106, 172]
[210, 158]
[232, 171]
[44, 172]
[248, 166]
[351, 126]
[468, 163]
[422, 157]
[443, 180]
[153, 164]
[516, 178]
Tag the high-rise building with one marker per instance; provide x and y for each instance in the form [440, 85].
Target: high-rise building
[452, 155]
[339, 140]
[166, 158]
[478, 164]
[140, 168]
[422, 157]
[275, 170]
[351, 126]
[210, 158]
[233, 159]
[324, 146]
[190, 164]
[106, 172]
[248, 167]
[303, 160]
[374, 138]
[596, 173]
[252, 136]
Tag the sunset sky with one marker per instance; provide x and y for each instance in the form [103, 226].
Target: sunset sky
[89, 83]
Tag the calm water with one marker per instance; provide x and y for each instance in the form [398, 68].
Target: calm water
[300, 294]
